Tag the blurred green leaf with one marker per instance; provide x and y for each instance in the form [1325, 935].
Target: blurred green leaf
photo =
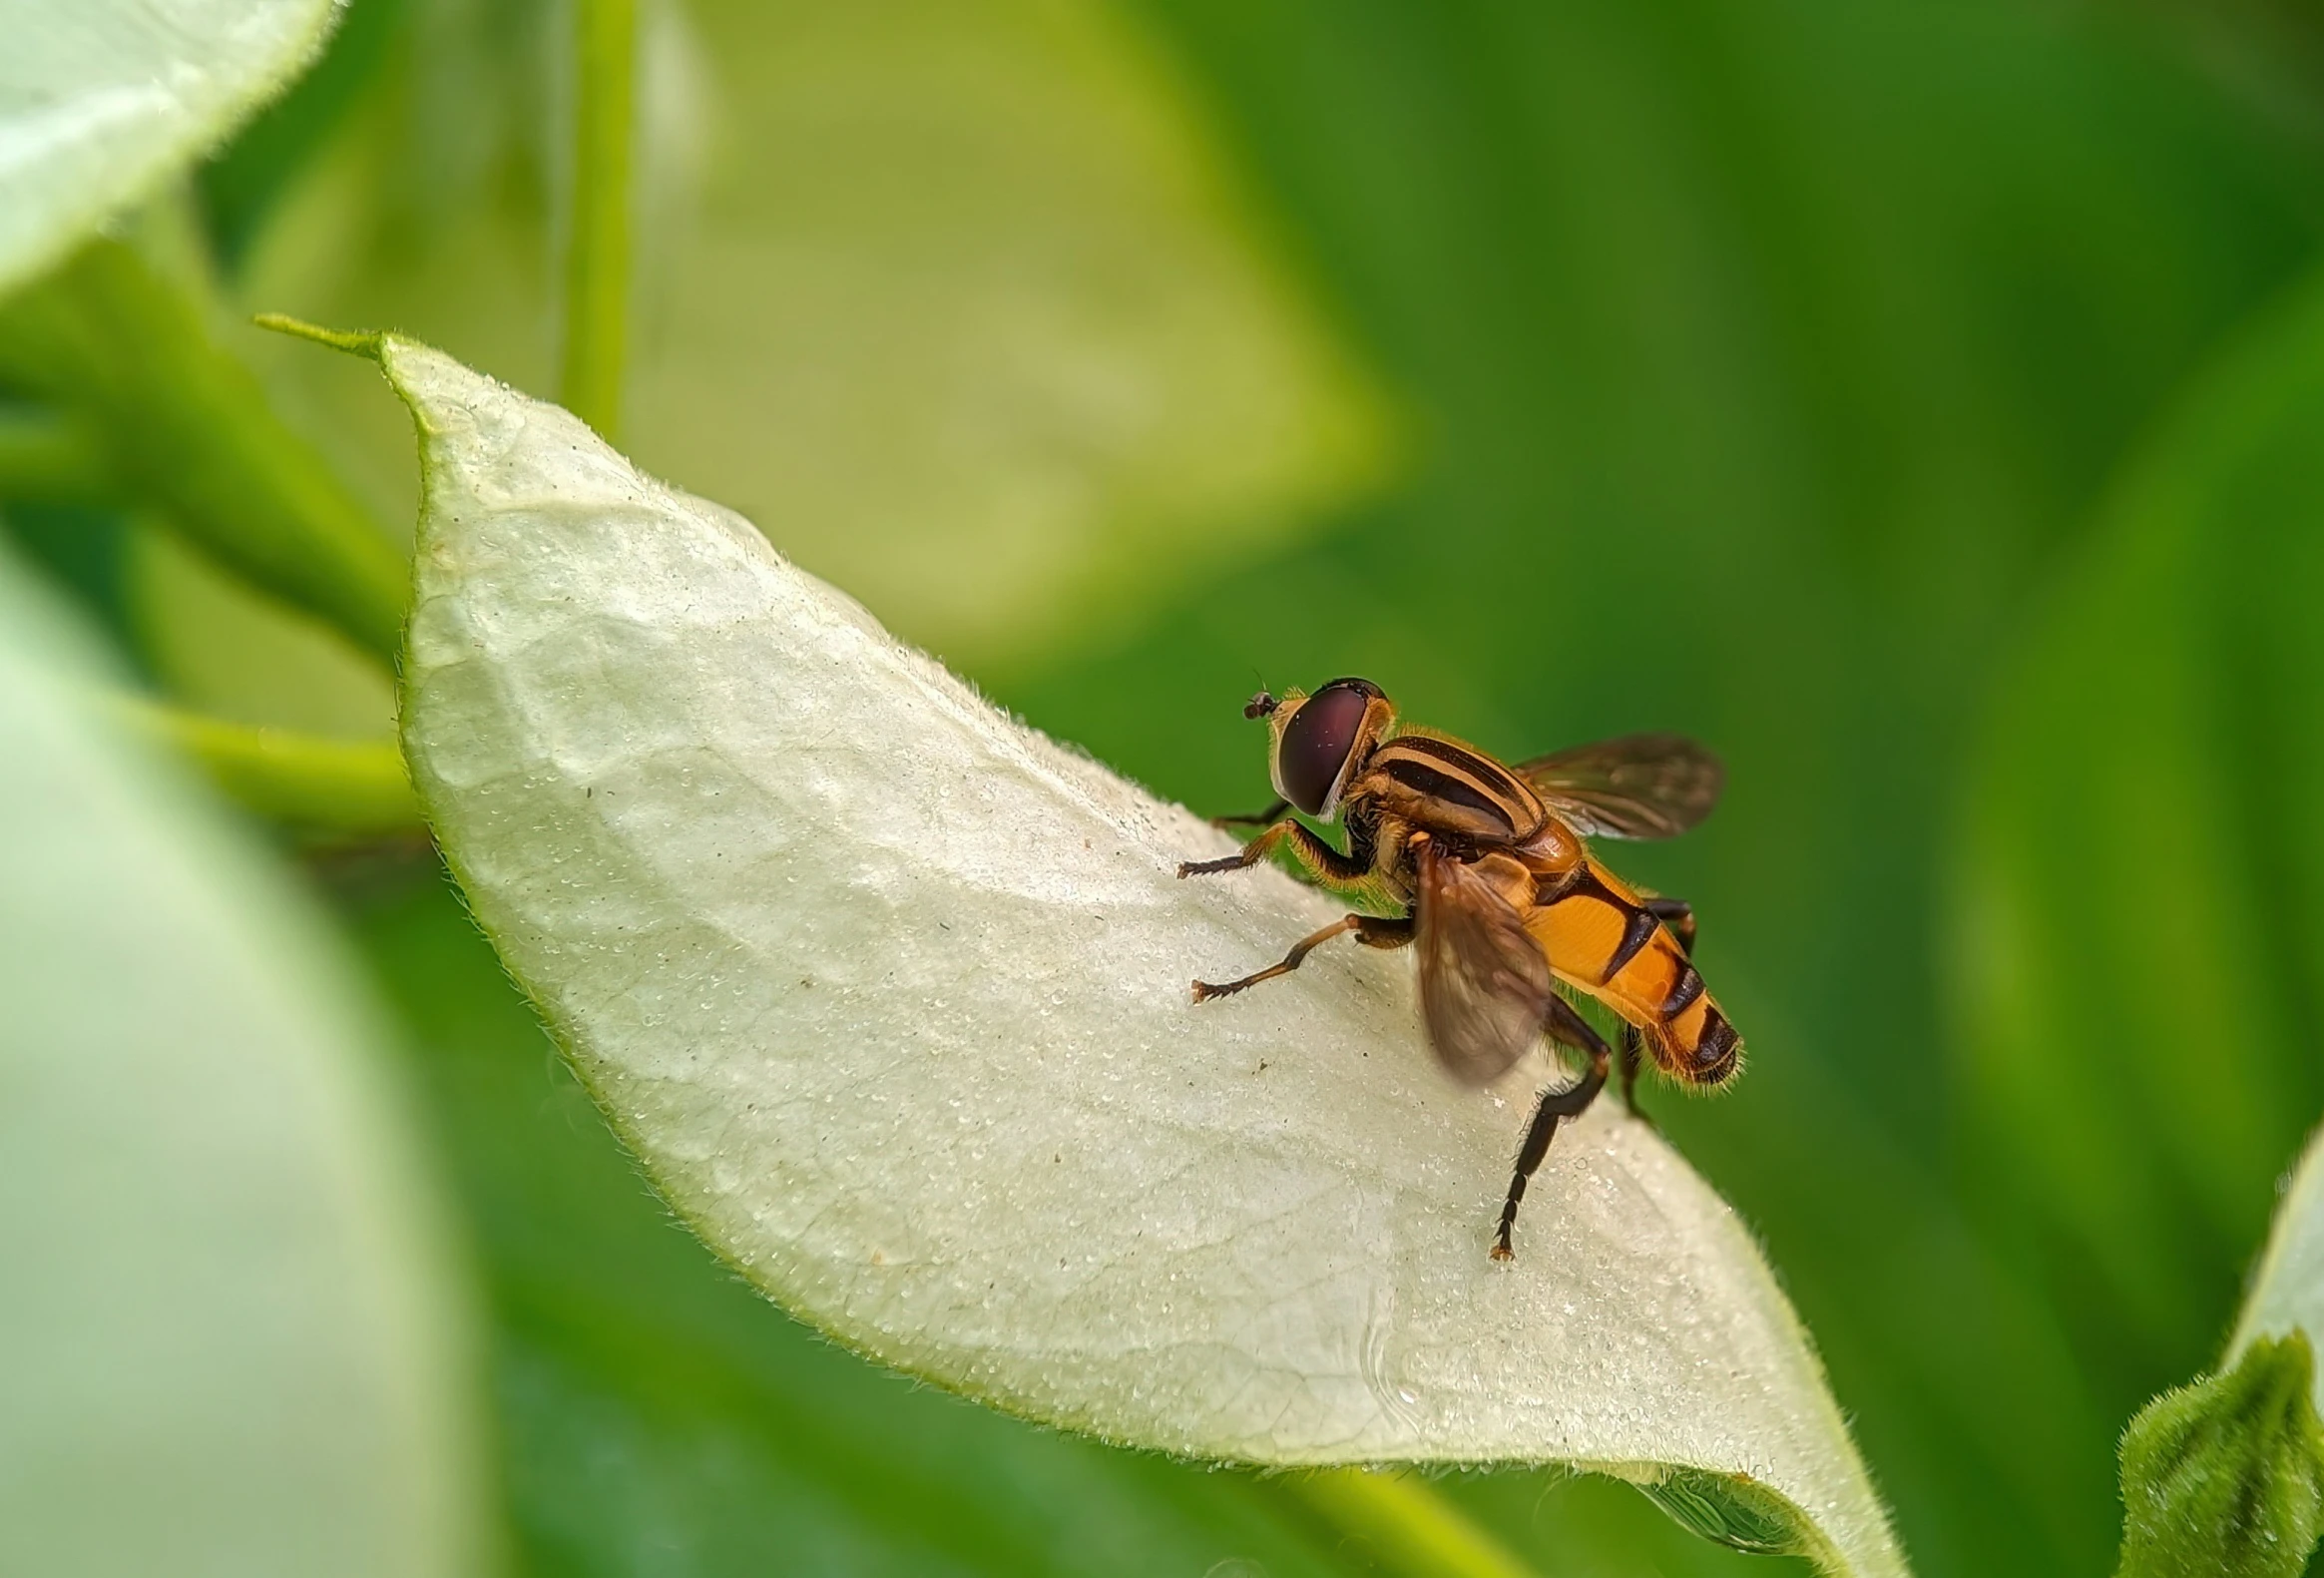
[2137, 937]
[240, 185]
[50, 459]
[967, 298]
[866, 887]
[220, 648]
[234, 1340]
[1394, 1515]
[101, 100]
[127, 351]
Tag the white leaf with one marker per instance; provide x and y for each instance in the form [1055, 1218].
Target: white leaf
[890, 994]
[231, 1341]
[101, 99]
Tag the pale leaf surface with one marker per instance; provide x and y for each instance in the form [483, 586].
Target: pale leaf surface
[890, 994]
[101, 99]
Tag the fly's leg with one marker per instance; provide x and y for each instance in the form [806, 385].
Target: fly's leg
[1678, 915]
[1267, 816]
[1633, 1047]
[1317, 861]
[1566, 1027]
[1320, 863]
[1373, 931]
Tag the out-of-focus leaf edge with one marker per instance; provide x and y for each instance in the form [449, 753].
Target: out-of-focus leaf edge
[275, 79]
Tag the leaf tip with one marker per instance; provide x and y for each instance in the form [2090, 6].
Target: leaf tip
[358, 342]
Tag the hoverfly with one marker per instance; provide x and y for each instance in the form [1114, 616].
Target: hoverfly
[1487, 871]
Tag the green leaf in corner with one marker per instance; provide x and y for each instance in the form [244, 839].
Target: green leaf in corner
[2227, 1477]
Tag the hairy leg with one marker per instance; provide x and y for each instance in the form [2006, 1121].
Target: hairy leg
[1372, 930]
[1565, 1026]
[1633, 1056]
[1678, 915]
[1269, 815]
[1318, 861]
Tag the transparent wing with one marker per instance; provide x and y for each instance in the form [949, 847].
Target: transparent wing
[1638, 787]
[1484, 981]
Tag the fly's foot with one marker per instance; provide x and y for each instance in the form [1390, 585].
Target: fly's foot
[1233, 862]
[1500, 1248]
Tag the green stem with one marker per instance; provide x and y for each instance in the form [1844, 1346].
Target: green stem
[596, 258]
[50, 459]
[185, 423]
[1403, 1524]
[338, 786]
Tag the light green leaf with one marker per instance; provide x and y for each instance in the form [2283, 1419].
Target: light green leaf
[101, 99]
[890, 993]
[233, 1340]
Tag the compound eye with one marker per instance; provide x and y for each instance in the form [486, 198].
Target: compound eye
[1316, 742]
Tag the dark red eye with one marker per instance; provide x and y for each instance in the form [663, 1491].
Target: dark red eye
[1317, 740]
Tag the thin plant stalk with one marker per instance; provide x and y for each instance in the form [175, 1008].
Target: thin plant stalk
[352, 786]
[597, 256]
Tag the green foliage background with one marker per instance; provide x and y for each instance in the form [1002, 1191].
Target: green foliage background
[1924, 404]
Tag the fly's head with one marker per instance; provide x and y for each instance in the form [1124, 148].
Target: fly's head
[1319, 739]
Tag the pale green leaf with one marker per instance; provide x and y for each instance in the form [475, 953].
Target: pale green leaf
[101, 99]
[890, 993]
[234, 1341]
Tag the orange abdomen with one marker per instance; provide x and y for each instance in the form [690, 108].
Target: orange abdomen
[1601, 938]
